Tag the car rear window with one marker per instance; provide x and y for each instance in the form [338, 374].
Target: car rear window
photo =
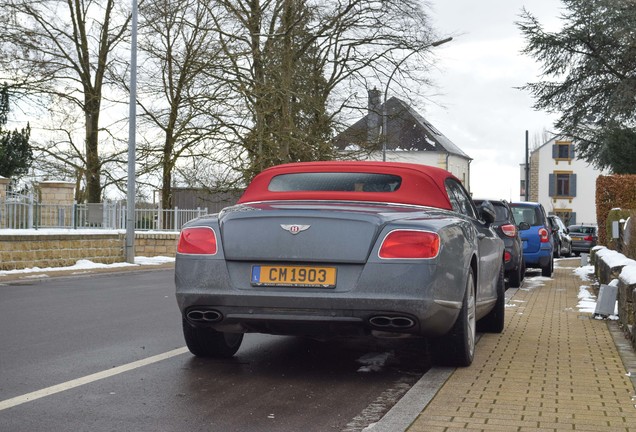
[528, 214]
[501, 213]
[335, 182]
[582, 229]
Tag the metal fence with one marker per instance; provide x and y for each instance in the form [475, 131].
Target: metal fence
[23, 212]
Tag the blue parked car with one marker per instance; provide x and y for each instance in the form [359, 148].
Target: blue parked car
[538, 243]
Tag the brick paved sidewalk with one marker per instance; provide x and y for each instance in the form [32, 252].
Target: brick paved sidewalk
[554, 368]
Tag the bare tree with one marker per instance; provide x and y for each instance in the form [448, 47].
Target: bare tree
[62, 49]
[346, 43]
[179, 94]
[61, 155]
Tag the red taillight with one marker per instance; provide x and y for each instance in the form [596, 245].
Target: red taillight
[409, 244]
[588, 238]
[509, 230]
[197, 241]
[507, 256]
[544, 234]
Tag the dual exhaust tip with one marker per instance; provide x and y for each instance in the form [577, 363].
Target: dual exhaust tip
[391, 322]
[204, 316]
[378, 321]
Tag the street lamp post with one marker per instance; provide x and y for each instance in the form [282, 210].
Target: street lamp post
[386, 90]
[132, 128]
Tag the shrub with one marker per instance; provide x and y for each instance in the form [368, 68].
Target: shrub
[611, 192]
[615, 214]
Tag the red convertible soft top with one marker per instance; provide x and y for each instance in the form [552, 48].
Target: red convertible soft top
[410, 183]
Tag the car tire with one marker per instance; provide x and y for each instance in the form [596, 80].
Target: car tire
[516, 276]
[207, 342]
[548, 269]
[457, 347]
[494, 321]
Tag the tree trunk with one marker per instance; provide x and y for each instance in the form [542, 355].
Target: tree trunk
[93, 164]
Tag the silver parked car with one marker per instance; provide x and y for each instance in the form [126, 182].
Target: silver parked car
[561, 236]
[329, 249]
[584, 237]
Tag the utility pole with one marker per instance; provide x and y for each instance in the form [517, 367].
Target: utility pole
[132, 130]
[527, 169]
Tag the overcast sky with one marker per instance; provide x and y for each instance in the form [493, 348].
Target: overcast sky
[481, 111]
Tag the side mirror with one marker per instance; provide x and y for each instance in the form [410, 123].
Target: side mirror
[487, 212]
[523, 226]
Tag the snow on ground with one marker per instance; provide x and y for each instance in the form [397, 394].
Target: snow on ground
[587, 300]
[584, 272]
[533, 282]
[79, 231]
[88, 265]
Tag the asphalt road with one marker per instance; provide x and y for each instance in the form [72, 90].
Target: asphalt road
[104, 352]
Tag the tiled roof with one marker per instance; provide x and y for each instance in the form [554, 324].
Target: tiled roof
[407, 131]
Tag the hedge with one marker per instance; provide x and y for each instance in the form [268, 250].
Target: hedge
[614, 191]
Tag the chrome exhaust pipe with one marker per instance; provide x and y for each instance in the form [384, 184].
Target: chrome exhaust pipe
[396, 322]
[204, 316]
[402, 322]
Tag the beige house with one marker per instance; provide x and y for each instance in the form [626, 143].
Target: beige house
[564, 184]
[409, 138]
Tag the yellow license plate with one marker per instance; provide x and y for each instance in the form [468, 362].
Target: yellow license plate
[294, 276]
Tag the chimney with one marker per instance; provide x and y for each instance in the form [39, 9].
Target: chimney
[374, 116]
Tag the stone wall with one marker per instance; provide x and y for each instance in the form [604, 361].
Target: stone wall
[610, 265]
[20, 251]
[153, 244]
[534, 177]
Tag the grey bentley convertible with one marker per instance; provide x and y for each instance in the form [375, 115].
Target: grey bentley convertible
[333, 249]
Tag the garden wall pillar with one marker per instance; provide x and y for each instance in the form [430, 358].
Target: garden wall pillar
[56, 203]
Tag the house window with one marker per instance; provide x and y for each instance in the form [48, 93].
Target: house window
[563, 150]
[522, 190]
[562, 184]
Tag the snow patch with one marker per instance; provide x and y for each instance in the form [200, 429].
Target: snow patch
[534, 282]
[628, 275]
[613, 258]
[587, 300]
[87, 265]
[584, 272]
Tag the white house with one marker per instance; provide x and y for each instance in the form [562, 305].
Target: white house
[409, 138]
[564, 184]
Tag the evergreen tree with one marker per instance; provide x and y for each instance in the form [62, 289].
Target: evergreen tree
[619, 149]
[589, 77]
[15, 152]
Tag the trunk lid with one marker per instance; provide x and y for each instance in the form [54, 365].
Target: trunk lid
[531, 239]
[301, 232]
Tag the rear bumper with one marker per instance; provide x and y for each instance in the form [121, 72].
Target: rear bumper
[397, 298]
[333, 322]
[516, 253]
[538, 259]
[582, 246]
